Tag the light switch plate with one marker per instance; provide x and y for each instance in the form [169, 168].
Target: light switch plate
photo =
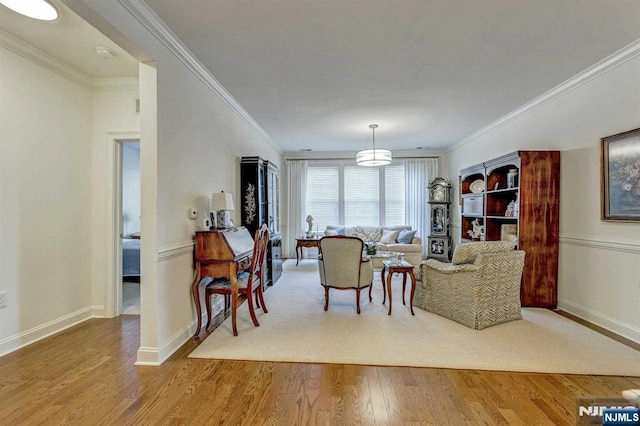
[193, 213]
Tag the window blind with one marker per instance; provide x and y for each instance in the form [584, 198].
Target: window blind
[323, 196]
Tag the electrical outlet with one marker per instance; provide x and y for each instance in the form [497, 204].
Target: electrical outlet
[3, 299]
[193, 213]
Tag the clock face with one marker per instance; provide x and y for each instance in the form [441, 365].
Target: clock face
[438, 194]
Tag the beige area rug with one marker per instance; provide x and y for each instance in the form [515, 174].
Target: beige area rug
[297, 329]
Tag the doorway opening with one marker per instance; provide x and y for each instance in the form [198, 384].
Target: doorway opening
[129, 229]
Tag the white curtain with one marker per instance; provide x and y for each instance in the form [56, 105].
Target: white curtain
[297, 198]
[419, 172]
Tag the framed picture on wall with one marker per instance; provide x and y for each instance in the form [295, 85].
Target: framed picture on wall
[620, 176]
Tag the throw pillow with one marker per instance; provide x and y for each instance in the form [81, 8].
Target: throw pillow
[335, 230]
[405, 236]
[467, 252]
[389, 237]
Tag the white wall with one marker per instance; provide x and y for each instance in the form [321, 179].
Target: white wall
[113, 118]
[45, 201]
[599, 272]
[199, 142]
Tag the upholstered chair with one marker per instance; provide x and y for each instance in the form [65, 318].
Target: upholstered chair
[342, 266]
[479, 288]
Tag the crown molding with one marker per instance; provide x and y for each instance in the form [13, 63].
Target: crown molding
[152, 22]
[43, 59]
[612, 61]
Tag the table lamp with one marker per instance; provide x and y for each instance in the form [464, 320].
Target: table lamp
[222, 203]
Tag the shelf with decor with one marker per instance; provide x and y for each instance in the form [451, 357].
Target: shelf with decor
[515, 197]
[472, 187]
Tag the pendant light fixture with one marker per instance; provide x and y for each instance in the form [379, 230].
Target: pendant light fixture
[375, 156]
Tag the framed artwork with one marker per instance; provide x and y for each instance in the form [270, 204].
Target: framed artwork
[620, 176]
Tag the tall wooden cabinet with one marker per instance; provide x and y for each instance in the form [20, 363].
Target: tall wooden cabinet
[516, 197]
[260, 203]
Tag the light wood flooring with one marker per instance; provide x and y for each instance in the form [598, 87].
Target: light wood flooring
[85, 376]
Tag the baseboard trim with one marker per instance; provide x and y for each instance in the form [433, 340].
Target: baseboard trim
[156, 356]
[148, 356]
[97, 311]
[600, 330]
[626, 331]
[20, 340]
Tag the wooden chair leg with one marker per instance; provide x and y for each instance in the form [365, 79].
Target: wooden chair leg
[234, 308]
[252, 311]
[326, 298]
[226, 303]
[207, 301]
[261, 299]
[358, 300]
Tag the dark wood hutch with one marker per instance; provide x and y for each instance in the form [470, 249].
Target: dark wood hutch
[260, 203]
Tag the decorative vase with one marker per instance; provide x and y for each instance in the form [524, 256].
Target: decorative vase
[512, 178]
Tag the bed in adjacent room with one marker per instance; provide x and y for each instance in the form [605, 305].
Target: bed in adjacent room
[130, 258]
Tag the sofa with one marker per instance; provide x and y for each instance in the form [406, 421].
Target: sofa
[480, 288]
[386, 239]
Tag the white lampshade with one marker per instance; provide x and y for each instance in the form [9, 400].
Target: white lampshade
[373, 157]
[222, 201]
[37, 9]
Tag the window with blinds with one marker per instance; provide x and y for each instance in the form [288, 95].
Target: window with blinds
[361, 196]
[345, 194]
[394, 195]
[323, 196]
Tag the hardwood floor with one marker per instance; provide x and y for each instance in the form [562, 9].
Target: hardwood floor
[86, 376]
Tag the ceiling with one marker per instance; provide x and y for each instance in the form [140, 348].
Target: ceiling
[72, 41]
[315, 74]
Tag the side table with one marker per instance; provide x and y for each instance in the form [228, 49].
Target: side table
[305, 242]
[390, 267]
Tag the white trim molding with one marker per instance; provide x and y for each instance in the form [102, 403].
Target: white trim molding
[156, 356]
[20, 340]
[623, 329]
[581, 241]
[43, 59]
[152, 22]
[175, 250]
[612, 61]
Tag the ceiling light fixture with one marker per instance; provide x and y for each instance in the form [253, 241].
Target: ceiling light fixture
[37, 9]
[375, 156]
[104, 52]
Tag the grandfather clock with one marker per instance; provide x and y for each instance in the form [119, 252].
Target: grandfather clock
[439, 240]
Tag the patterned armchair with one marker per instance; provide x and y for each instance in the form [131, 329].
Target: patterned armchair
[479, 288]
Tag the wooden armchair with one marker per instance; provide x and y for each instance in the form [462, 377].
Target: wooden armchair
[247, 283]
[342, 267]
